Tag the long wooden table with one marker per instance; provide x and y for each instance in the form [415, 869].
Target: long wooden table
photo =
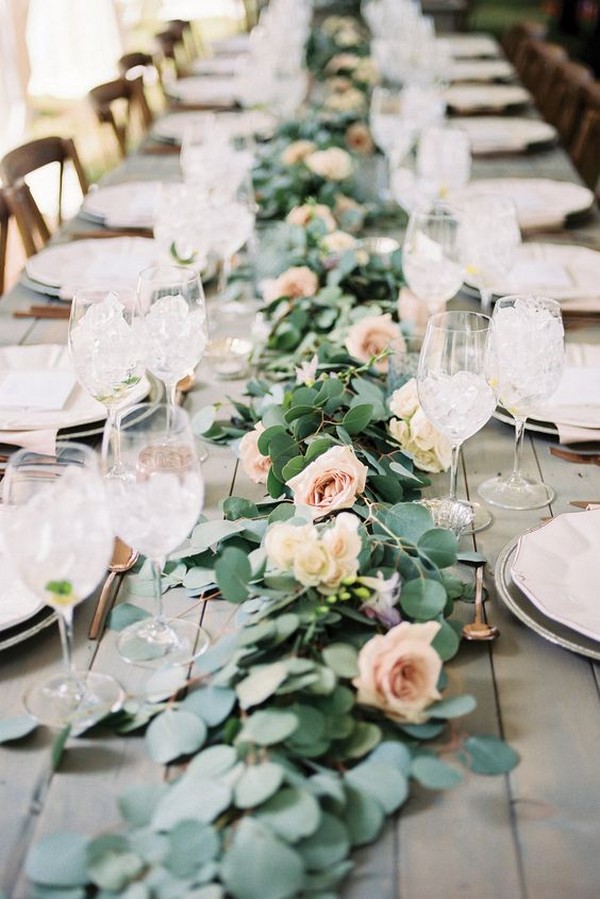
[533, 835]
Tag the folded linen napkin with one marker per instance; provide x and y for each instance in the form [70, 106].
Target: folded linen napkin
[40, 441]
[575, 407]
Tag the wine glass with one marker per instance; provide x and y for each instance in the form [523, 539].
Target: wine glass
[454, 382]
[489, 237]
[104, 345]
[443, 160]
[392, 132]
[58, 533]
[431, 257]
[174, 326]
[528, 338]
[154, 504]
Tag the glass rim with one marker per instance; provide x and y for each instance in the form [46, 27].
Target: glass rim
[190, 273]
[550, 301]
[434, 321]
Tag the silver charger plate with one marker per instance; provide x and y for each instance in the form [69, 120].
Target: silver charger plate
[532, 424]
[530, 615]
[26, 629]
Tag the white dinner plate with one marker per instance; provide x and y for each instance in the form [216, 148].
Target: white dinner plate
[472, 46]
[112, 261]
[540, 202]
[225, 66]
[505, 134]
[481, 70]
[129, 205]
[558, 567]
[466, 99]
[79, 409]
[527, 612]
[218, 92]
[247, 123]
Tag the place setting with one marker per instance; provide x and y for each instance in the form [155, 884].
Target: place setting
[472, 99]
[491, 71]
[490, 135]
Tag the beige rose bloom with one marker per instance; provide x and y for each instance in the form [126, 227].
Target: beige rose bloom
[342, 61]
[398, 672]
[299, 281]
[349, 101]
[370, 336]
[303, 215]
[331, 482]
[366, 71]
[337, 242]
[282, 541]
[312, 565]
[404, 402]
[342, 541]
[339, 85]
[255, 465]
[333, 164]
[358, 139]
[297, 151]
[426, 439]
[400, 431]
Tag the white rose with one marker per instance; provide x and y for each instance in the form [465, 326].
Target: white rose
[312, 565]
[400, 431]
[371, 336]
[255, 465]
[331, 482]
[342, 541]
[337, 242]
[282, 541]
[333, 164]
[404, 402]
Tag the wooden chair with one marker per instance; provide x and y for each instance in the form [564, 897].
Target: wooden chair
[18, 164]
[566, 104]
[585, 149]
[514, 36]
[145, 66]
[5, 214]
[173, 54]
[122, 104]
[543, 61]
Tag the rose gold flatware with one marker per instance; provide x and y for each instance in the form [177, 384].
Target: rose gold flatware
[584, 503]
[162, 150]
[55, 312]
[109, 232]
[479, 629]
[124, 558]
[575, 457]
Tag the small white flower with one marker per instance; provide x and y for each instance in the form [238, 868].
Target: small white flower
[382, 603]
[306, 373]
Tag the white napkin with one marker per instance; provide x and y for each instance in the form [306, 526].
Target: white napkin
[37, 441]
[575, 407]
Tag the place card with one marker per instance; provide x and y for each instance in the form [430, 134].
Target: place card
[36, 389]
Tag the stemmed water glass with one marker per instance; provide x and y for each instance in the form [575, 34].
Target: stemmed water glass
[174, 326]
[455, 385]
[393, 133]
[58, 533]
[528, 339]
[104, 344]
[431, 257]
[489, 237]
[443, 161]
[154, 504]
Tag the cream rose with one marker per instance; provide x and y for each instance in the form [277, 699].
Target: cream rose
[282, 541]
[358, 139]
[366, 71]
[404, 402]
[312, 565]
[303, 215]
[331, 482]
[398, 672]
[333, 164]
[400, 431]
[255, 465]
[337, 242]
[297, 151]
[342, 541]
[351, 100]
[342, 61]
[370, 336]
[299, 281]
[431, 450]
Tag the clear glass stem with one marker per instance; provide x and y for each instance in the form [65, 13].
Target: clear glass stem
[224, 274]
[519, 436]
[157, 566]
[454, 470]
[486, 300]
[171, 390]
[73, 688]
[111, 436]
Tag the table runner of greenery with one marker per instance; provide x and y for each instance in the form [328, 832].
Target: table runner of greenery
[300, 733]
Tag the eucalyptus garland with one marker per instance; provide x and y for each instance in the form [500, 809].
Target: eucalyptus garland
[301, 732]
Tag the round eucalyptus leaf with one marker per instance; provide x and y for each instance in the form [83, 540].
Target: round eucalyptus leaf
[327, 783]
[363, 738]
[164, 683]
[259, 866]
[311, 726]
[59, 860]
[212, 704]
[394, 753]
[112, 867]
[316, 881]
[191, 797]
[327, 846]
[257, 784]
[381, 782]
[213, 762]
[124, 614]
[257, 633]
[16, 728]
[341, 658]
[423, 599]
[439, 545]
[173, 733]
[268, 727]
[233, 571]
[446, 641]
[137, 805]
[262, 682]
[490, 755]
[453, 707]
[434, 774]
[191, 845]
[292, 814]
[209, 891]
[152, 847]
[363, 816]
[340, 701]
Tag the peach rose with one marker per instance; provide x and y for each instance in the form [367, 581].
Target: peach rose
[370, 336]
[333, 164]
[412, 309]
[339, 85]
[351, 100]
[337, 242]
[297, 151]
[342, 61]
[331, 482]
[398, 672]
[255, 465]
[358, 139]
[303, 215]
[282, 541]
[299, 281]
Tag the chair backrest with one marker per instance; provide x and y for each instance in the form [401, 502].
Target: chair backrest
[19, 164]
[122, 104]
[566, 105]
[173, 51]
[32, 226]
[537, 62]
[585, 149]
[5, 214]
[145, 66]
[514, 36]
